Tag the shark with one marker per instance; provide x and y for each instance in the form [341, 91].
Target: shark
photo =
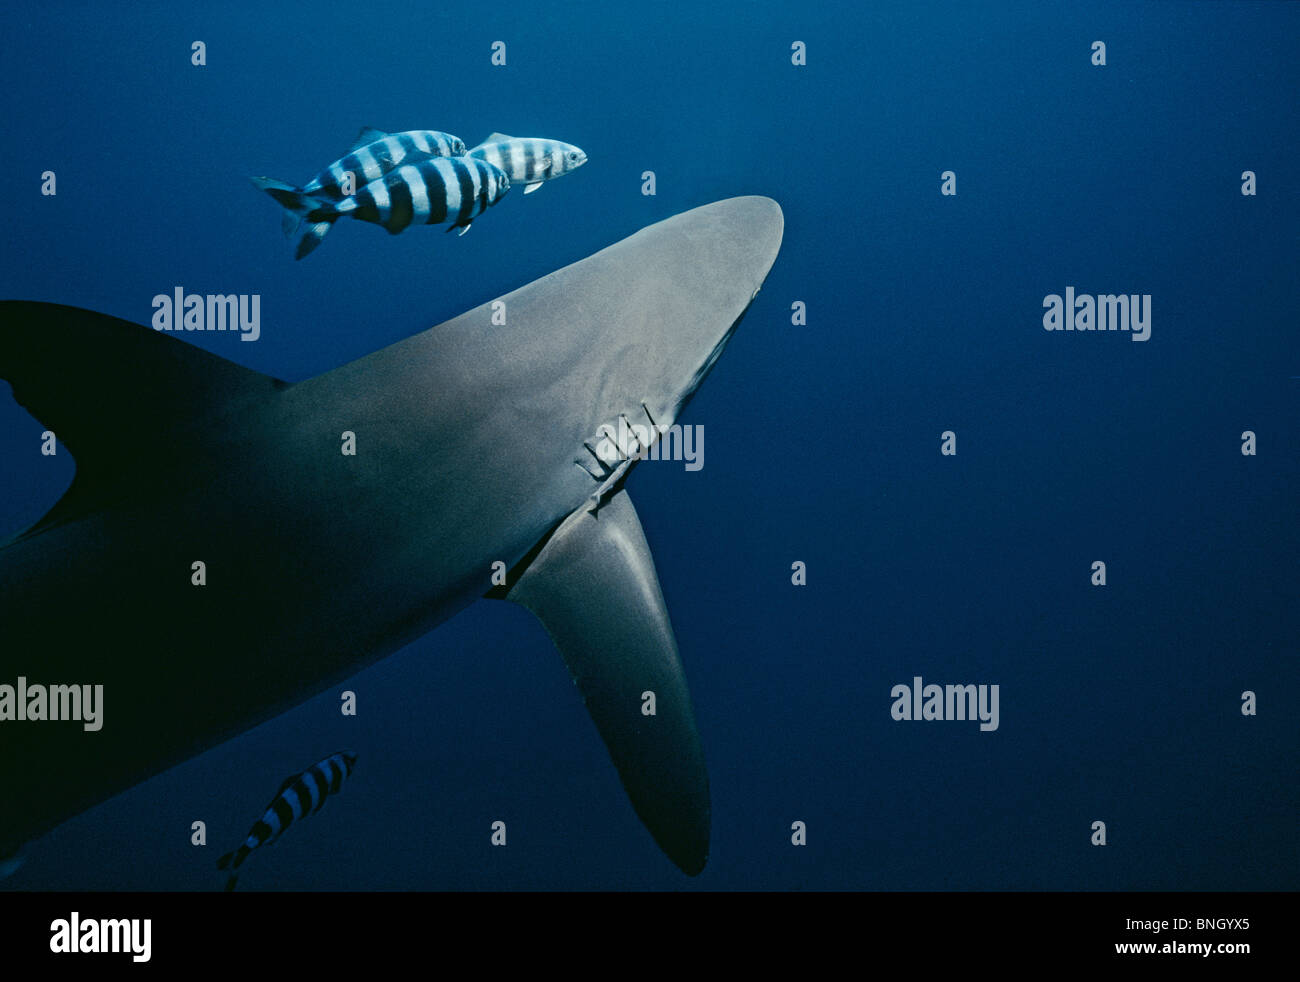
[473, 477]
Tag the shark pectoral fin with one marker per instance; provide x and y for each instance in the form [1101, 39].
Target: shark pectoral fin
[368, 134]
[594, 588]
[532, 187]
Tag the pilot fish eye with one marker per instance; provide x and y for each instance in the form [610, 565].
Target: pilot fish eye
[573, 156]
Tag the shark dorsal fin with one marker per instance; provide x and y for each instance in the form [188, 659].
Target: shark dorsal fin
[366, 135]
[119, 396]
[594, 588]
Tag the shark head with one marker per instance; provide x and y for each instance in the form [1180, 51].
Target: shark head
[685, 285]
[619, 340]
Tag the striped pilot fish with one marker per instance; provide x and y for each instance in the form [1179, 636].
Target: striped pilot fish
[299, 796]
[452, 190]
[375, 153]
[528, 160]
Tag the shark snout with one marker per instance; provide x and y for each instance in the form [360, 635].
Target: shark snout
[732, 247]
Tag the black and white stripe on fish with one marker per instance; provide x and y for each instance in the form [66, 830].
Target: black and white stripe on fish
[381, 154]
[375, 153]
[299, 796]
[453, 190]
[529, 160]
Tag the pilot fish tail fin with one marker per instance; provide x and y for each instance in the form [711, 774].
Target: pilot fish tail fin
[310, 236]
[233, 860]
[292, 199]
[225, 863]
[307, 217]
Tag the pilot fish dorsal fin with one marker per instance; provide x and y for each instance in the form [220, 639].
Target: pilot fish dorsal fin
[120, 396]
[594, 588]
[492, 138]
[368, 134]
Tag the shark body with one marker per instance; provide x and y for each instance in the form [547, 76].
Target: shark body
[473, 447]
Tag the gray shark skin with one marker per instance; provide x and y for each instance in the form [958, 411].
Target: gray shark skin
[471, 449]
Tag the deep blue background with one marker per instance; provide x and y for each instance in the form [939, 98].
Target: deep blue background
[822, 442]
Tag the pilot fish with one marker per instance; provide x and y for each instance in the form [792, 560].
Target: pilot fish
[299, 796]
[375, 153]
[430, 192]
[529, 160]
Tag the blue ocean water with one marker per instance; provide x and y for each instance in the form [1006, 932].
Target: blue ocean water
[1118, 704]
